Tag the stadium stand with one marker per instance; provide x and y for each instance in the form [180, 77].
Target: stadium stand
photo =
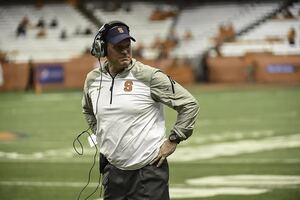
[191, 38]
[271, 36]
[139, 16]
[51, 46]
[240, 15]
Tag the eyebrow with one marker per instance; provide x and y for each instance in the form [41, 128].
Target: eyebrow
[122, 45]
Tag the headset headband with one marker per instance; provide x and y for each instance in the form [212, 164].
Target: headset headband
[99, 47]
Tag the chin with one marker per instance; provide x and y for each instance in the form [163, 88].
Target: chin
[125, 63]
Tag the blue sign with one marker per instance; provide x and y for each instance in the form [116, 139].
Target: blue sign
[280, 68]
[50, 73]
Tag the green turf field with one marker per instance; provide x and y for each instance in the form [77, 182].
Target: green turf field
[246, 145]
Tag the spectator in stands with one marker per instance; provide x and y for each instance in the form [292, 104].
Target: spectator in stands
[157, 42]
[138, 50]
[172, 39]
[54, 23]
[188, 35]
[23, 26]
[229, 31]
[163, 52]
[291, 36]
[226, 32]
[63, 34]
[41, 33]
[41, 23]
[128, 119]
[21, 30]
[88, 31]
[160, 13]
[221, 34]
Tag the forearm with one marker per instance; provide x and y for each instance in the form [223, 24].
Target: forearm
[186, 118]
[91, 121]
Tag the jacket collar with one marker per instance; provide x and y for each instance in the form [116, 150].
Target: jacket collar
[104, 69]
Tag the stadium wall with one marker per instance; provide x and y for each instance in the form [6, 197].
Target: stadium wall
[257, 67]
[15, 76]
[47, 75]
[43, 76]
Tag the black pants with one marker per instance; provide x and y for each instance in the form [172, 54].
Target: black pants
[147, 183]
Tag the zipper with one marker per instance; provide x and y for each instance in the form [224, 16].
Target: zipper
[112, 89]
[172, 84]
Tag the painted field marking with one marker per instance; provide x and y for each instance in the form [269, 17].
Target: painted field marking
[175, 192]
[247, 180]
[209, 151]
[228, 135]
[182, 153]
[184, 193]
[245, 184]
[46, 184]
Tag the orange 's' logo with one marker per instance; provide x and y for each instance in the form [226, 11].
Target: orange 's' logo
[128, 86]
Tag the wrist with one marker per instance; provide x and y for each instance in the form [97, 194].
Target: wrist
[174, 138]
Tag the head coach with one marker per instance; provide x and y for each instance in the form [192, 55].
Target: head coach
[123, 104]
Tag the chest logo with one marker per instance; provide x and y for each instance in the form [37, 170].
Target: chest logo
[128, 86]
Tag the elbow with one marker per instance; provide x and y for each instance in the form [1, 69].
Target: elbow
[195, 106]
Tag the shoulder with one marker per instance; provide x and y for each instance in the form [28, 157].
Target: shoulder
[91, 76]
[143, 72]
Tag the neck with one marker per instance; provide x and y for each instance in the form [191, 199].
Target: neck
[114, 70]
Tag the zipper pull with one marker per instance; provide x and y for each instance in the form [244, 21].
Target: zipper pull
[172, 84]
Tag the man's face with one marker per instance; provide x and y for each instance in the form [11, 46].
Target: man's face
[119, 55]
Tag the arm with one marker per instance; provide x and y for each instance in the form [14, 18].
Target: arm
[87, 109]
[172, 94]
[178, 98]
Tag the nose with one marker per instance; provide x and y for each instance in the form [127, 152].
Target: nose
[125, 51]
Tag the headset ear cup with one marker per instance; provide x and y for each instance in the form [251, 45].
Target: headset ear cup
[98, 48]
[103, 50]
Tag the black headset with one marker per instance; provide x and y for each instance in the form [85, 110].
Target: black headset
[99, 47]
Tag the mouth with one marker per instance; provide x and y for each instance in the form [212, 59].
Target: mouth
[125, 59]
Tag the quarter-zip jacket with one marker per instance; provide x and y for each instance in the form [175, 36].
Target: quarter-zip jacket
[126, 112]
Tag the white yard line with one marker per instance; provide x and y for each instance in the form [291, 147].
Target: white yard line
[198, 187]
[247, 180]
[175, 192]
[46, 184]
[209, 151]
[184, 193]
[227, 135]
[182, 154]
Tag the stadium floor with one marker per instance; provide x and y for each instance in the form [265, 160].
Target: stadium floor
[246, 145]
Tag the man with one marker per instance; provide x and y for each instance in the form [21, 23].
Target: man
[123, 104]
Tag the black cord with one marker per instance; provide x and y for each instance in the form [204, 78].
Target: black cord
[77, 139]
[94, 162]
[96, 153]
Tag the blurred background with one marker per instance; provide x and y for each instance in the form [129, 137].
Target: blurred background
[193, 41]
[240, 59]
